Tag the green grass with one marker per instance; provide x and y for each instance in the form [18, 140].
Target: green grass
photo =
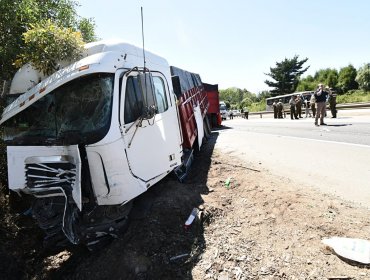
[354, 96]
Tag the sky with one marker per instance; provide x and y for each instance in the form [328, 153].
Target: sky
[234, 43]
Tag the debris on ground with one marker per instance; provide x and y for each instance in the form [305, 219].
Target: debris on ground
[350, 248]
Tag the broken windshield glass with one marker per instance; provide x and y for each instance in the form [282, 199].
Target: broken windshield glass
[79, 111]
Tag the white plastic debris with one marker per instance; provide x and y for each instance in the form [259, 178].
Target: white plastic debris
[179, 257]
[350, 248]
[192, 216]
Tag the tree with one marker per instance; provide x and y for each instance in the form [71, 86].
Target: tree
[17, 16]
[286, 75]
[363, 77]
[347, 78]
[87, 28]
[327, 77]
[332, 80]
[235, 97]
[46, 44]
[246, 102]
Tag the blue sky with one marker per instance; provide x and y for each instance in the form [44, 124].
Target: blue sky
[233, 43]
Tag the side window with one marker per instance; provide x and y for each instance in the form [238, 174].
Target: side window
[133, 100]
[160, 94]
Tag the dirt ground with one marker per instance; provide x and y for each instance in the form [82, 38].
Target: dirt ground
[258, 226]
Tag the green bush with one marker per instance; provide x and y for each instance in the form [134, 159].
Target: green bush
[258, 106]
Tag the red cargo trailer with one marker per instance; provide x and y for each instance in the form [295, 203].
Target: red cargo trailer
[213, 113]
[190, 93]
[191, 97]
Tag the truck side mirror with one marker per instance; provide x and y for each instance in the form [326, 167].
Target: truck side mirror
[147, 88]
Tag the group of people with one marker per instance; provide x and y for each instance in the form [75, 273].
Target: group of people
[317, 104]
[278, 109]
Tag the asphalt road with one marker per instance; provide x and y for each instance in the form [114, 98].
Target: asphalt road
[334, 159]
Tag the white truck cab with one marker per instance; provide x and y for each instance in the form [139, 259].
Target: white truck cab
[91, 137]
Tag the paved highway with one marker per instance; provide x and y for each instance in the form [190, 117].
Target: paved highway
[334, 158]
[349, 129]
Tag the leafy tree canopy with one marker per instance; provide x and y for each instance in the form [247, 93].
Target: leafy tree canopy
[286, 75]
[363, 77]
[46, 44]
[17, 17]
[347, 78]
[87, 28]
[235, 96]
[327, 77]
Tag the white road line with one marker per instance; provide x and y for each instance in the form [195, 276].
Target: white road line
[303, 138]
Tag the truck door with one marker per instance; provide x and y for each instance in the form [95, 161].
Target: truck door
[152, 146]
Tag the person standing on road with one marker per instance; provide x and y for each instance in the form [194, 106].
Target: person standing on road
[307, 108]
[274, 105]
[280, 108]
[313, 104]
[293, 114]
[320, 97]
[332, 103]
[298, 106]
[246, 113]
[231, 115]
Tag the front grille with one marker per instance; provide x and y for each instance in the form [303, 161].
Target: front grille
[49, 175]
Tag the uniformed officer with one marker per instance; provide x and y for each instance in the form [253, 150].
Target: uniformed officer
[246, 112]
[332, 103]
[280, 108]
[298, 105]
[313, 104]
[274, 105]
[293, 113]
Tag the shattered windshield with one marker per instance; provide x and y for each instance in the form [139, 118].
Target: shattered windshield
[77, 112]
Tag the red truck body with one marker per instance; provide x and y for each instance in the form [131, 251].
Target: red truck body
[214, 104]
[190, 92]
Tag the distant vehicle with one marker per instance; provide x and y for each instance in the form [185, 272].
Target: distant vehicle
[213, 112]
[223, 110]
[305, 95]
[236, 113]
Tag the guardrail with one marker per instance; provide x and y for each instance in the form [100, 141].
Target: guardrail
[339, 106]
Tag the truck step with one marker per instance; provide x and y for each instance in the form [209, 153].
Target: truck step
[181, 171]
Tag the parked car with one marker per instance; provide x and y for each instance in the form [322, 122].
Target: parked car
[236, 113]
[223, 111]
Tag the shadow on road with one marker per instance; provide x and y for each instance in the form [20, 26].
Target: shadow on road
[339, 125]
[222, 127]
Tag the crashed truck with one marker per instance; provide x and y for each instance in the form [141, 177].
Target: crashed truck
[88, 139]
